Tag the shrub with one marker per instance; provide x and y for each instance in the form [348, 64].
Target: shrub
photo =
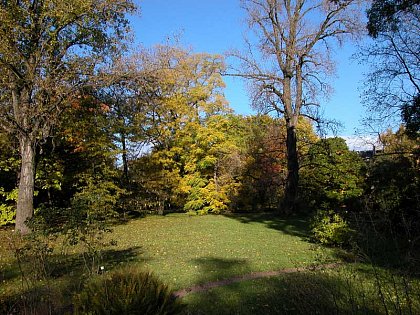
[126, 291]
[329, 228]
[7, 208]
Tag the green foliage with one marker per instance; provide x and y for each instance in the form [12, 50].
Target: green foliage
[48, 51]
[392, 197]
[332, 175]
[192, 134]
[385, 16]
[36, 248]
[329, 228]
[8, 210]
[49, 174]
[332, 181]
[411, 117]
[93, 206]
[9, 165]
[126, 291]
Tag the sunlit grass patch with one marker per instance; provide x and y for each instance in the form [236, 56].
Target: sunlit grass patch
[186, 250]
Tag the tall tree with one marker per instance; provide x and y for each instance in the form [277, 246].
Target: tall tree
[48, 50]
[124, 89]
[289, 65]
[393, 83]
[179, 95]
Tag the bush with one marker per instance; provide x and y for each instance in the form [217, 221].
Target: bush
[329, 228]
[126, 292]
[8, 208]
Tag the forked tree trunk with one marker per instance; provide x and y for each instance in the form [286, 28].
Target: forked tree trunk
[292, 180]
[25, 202]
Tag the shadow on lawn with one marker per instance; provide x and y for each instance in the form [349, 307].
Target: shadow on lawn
[59, 265]
[296, 226]
[297, 293]
[219, 269]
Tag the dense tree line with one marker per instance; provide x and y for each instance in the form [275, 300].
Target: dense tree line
[150, 131]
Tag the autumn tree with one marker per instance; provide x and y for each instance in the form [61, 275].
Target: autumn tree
[288, 66]
[48, 50]
[125, 92]
[264, 165]
[182, 105]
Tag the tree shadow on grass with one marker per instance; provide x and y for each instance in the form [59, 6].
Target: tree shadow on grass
[295, 226]
[58, 265]
[297, 293]
[109, 259]
[219, 269]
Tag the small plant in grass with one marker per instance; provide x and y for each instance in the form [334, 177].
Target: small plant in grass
[34, 252]
[329, 228]
[126, 291]
[92, 209]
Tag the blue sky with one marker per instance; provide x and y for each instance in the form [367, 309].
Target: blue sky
[216, 26]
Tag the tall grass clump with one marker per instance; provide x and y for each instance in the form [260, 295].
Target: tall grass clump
[126, 291]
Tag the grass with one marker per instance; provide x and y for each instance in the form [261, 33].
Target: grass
[347, 290]
[184, 251]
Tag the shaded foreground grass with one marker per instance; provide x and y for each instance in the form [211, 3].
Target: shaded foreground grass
[347, 290]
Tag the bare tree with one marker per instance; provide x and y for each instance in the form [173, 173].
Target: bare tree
[289, 63]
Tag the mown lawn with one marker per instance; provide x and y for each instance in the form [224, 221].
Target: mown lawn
[184, 251]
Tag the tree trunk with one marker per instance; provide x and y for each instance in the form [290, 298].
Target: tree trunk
[124, 156]
[289, 202]
[25, 201]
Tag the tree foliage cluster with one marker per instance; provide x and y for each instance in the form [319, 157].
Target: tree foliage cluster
[90, 129]
[199, 157]
[393, 82]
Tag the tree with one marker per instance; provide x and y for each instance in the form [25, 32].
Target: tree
[294, 45]
[332, 175]
[411, 117]
[393, 83]
[182, 106]
[121, 93]
[48, 50]
[393, 188]
[385, 15]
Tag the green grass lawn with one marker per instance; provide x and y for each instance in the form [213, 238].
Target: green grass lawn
[184, 251]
